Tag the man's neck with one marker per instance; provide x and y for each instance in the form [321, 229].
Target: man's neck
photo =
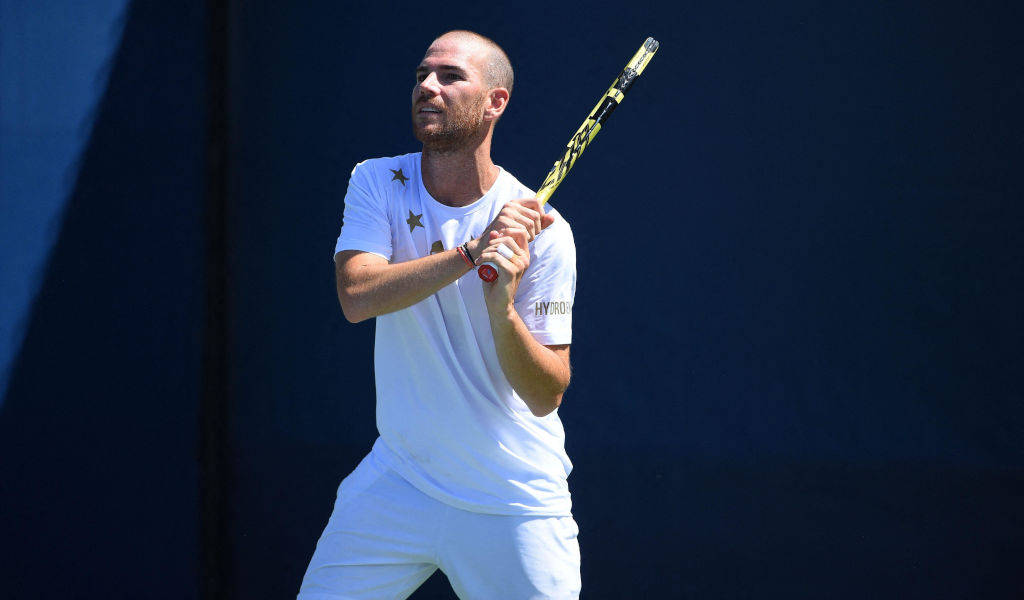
[458, 177]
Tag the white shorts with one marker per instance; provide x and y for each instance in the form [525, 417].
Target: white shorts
[385, 538]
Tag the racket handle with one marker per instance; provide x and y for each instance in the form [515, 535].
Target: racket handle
[488, 272]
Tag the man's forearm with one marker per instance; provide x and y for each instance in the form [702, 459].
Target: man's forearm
[368, 287]
[537, 373]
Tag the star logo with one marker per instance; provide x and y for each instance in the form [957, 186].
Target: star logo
[398, 176]
[414, 221]
[437, 247]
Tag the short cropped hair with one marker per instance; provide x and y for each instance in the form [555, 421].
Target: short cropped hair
[497, 68]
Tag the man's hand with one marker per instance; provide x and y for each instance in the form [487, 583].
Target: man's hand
[524, 213]
[500, 294]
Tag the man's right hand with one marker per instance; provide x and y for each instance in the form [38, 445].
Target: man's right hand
[524, 213]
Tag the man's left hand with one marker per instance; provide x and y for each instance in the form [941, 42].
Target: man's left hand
[510, 263]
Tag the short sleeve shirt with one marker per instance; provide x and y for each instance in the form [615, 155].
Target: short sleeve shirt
[449, 421]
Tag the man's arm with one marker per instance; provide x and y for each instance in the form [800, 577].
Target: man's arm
[538, 373]
[368, 285]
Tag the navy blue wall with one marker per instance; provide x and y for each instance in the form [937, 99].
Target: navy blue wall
[103, 172]
[797, 330]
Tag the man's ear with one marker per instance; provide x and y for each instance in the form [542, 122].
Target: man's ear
[497, 100]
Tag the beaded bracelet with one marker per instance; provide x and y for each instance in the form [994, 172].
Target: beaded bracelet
[465, 255]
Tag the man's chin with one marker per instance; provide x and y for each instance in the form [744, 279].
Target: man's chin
[425, 132]
[432, 139]
[436, 138]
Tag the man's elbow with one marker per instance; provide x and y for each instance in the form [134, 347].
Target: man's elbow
[546, 392]
[352, 316]
[352, 286]
[352, 308]
[547, 402]
[546, 406]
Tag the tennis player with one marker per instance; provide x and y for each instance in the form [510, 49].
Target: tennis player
[469, 472]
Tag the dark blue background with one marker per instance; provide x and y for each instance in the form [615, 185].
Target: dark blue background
[102, 273]
[797, 364]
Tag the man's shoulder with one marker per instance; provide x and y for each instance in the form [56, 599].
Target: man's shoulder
[389, 161]
[400, 168]
[556, 237]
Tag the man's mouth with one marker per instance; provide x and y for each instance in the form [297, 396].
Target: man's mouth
[429, 109]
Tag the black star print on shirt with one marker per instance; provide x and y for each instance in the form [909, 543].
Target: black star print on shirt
[414, 221]
[398, 176]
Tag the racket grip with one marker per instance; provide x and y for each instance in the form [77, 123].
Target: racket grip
[488, 272]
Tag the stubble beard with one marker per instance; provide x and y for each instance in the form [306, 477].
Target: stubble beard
[459, 128]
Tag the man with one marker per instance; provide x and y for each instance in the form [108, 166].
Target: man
[469, 472]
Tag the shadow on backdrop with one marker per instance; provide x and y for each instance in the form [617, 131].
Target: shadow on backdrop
[98, 480]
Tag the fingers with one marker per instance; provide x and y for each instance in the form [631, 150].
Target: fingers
[532, 209]
[503, 250]
[509, 250]
[520, 238]
[528, 219]
[517, 215]
[508, 268]
[531, 203]
[525, 214]
[534, 205]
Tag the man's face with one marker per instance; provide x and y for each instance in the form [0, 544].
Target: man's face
[449, 97]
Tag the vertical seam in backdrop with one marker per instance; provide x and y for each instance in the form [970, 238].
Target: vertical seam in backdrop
[214, 556]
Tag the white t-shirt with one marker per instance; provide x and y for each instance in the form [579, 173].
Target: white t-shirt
[449, 421]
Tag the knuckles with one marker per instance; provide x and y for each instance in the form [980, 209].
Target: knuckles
[529, 209]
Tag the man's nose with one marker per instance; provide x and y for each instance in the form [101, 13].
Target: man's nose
[429, 85]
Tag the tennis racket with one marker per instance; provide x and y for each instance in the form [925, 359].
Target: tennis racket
[586, 133]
